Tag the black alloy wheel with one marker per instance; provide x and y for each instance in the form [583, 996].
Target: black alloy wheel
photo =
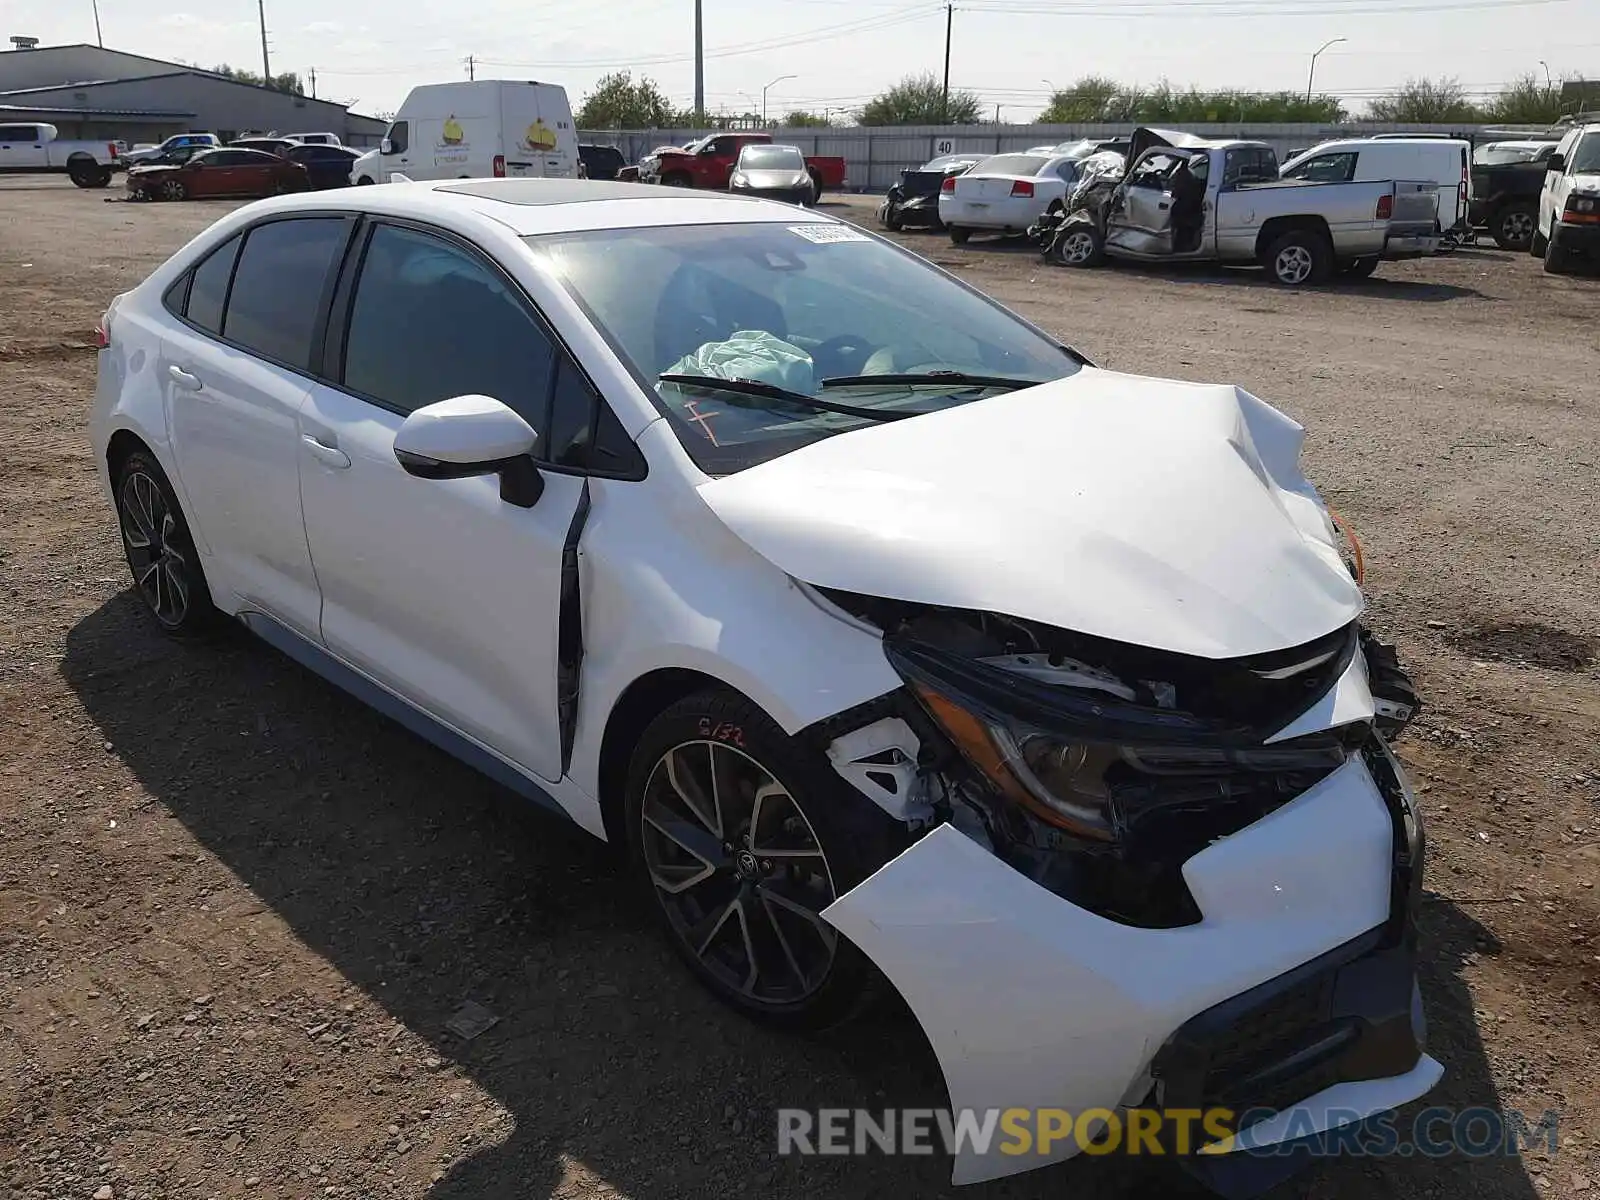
[743, 840]
[161, 555]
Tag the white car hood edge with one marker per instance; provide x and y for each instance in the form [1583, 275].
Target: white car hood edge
[1148, 511]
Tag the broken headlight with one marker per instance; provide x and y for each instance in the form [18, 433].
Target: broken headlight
[1104, 790]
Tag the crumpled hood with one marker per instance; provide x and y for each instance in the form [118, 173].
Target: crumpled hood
[1163, 514]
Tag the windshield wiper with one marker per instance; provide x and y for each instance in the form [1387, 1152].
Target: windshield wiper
[771, 391]
[960, 378]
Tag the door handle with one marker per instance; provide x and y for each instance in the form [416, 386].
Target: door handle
[328, 456]
[1163, 206]
[188, 382]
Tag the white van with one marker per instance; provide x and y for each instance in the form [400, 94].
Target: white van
[1446, 161]
[475, 129]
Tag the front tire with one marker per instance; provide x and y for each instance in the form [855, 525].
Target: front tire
[1078, 244]
[1298, 258]
[172, 189]
[742, 837]
[1514, 226]
[159, 549]
[1540, 243]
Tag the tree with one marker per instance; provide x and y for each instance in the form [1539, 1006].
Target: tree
[1091, 99]
[1425, 102]
[617, 102]
[919, 100]
[289, 81]
[800, 119]
[1527, 101]
[1096, 98]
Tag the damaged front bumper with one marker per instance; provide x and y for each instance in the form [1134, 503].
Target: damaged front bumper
[1032, 1002]
[1240, 937]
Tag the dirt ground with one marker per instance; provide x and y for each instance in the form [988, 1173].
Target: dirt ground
[237, 910]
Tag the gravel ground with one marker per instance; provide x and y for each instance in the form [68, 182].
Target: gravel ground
[237, 910]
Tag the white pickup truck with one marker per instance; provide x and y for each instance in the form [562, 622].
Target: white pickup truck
[34, 149]
[1183, 198]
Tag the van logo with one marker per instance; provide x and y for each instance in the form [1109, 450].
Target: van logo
[539, 136]
[453, 134]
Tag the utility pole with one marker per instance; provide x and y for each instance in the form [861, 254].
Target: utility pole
[313, 74]
[100, 39]
[699, 62]
[944, 104]
[266, 67]
[472, 67]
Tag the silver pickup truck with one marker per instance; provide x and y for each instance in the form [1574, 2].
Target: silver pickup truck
[1190, 199]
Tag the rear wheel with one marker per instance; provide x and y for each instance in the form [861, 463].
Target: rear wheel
[959, 235]
[743, 837]
[676, 179]
[1557, 261]
[1513, 226]
[160, 552]
[1537, 246]
[364, 181]
[1298, 258]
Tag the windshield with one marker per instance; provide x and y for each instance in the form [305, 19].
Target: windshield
[771, 158]
[1586, 155]
[1504, 155]
[790, 306]
[1011, 164]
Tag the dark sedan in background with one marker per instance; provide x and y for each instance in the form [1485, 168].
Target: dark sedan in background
[229, 171]
[915, 199]
[326, 166]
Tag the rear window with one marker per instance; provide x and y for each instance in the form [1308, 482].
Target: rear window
[1586, 155]
[1011, 164]
[278, 285]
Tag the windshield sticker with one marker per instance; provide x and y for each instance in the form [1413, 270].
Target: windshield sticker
[822, 235]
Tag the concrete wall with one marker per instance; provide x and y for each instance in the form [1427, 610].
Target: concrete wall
[220, 106]
[876, 155]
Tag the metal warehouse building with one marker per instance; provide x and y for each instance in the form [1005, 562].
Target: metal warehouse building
[89, 92]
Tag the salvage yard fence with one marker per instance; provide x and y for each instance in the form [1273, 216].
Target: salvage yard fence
[875, 156]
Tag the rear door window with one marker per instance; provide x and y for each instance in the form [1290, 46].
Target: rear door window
[209, 291]
[278, 286]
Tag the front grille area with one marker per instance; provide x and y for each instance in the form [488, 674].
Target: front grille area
[1344, 1016]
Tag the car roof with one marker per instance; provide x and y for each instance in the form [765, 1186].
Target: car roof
[529, 207]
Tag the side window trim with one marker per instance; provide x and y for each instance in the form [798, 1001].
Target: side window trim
[318, 329]
[342, 303]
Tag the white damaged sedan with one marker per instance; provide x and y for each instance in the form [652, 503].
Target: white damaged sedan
[890, 638]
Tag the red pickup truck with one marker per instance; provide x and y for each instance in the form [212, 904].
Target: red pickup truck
[708, 163]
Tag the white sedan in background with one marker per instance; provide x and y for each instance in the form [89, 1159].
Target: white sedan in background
[1006, 193]
[741, 538]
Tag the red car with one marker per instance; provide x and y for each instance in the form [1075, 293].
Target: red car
[229, 171]
[708, 163]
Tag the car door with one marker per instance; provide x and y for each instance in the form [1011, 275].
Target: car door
[1550, 198]
[438, 589]
[206, 174]
[1142, 211]
[235, 378]
[22, 148]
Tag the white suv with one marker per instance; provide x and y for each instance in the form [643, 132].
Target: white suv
[886, 635]
[1569, 204]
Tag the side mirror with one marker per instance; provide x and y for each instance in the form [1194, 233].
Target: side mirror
[1556, 162]
[385, 147]
[472, 435]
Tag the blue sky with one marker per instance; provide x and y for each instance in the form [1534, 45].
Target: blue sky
[842, 51]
